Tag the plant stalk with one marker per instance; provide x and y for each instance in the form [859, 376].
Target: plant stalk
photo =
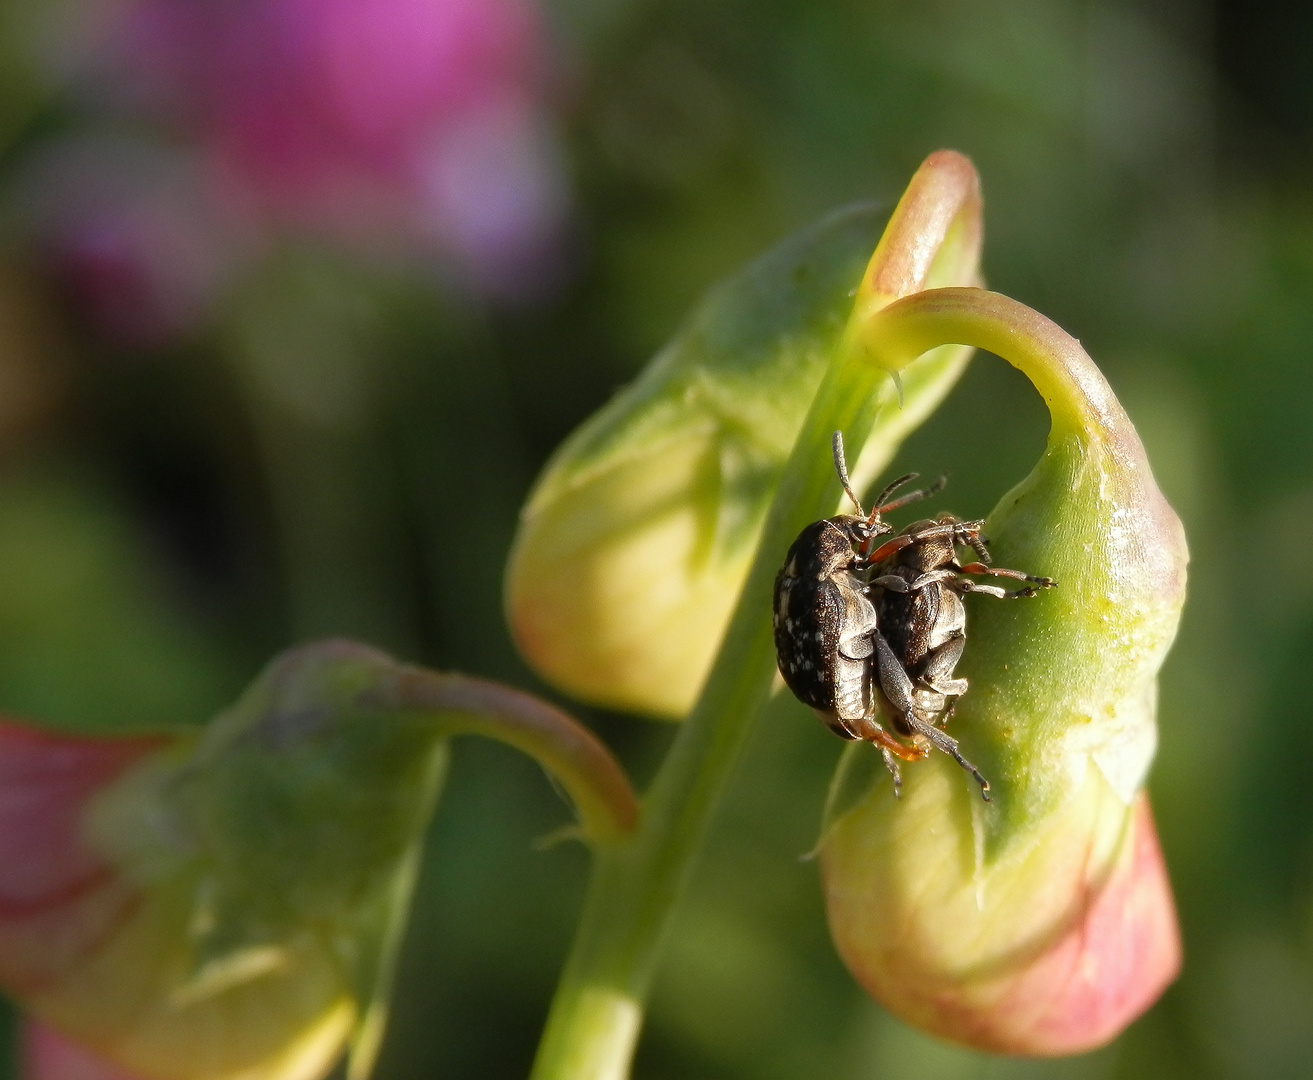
[594, 1021]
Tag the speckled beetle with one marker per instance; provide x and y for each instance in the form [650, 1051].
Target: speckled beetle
[825, 621]
[916, 590]
[852, 648]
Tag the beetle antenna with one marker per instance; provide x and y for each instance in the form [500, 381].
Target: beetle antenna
[911, 496]
[841, 467]
[881, 505]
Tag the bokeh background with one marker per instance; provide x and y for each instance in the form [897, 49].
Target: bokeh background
[296, 296]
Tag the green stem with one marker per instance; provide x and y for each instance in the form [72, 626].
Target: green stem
[595, 1018]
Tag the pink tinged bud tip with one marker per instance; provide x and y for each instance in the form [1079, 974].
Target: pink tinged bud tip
[1107, 969]
[1073, 992]
[58, 899]
[422, 122]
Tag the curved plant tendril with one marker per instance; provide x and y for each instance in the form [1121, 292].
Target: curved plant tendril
[1091, 516]
[462, 705]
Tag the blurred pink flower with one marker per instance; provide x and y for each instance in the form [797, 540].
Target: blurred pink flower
[58, 898]
[411, 129]
[414, 123]
[130, 238]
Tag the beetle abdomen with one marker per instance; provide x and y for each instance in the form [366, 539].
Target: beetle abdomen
[823, 624]
[907, 620]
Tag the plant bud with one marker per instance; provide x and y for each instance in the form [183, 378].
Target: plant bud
[1041, 923]
[228, 904]
[637, 539]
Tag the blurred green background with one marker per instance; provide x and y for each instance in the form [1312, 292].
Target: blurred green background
[335, 438]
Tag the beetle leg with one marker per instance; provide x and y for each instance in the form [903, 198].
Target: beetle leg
[893, 677]
[948, 745]
[888, 548]
[930, 577]
[889, 745]
[897, 687]
[891, 763]
[896, 543]
[869, 728]
[999, 571]
[937, 672]
[897, 584]
[966, 585]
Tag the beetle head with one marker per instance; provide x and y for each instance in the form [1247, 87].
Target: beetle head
[863, 528]
[861, 531]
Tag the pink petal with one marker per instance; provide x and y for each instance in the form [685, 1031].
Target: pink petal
[48, 1055]
[1087, 986]
[57, 898]
[1108, 969]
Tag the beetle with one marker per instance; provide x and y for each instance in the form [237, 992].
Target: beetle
[916, 589]
[825, 622]
[862, 631]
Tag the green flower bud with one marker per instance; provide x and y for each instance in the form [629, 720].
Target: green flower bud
[1042, 922]
[639, 534]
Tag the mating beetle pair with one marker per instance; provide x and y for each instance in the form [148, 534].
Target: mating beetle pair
[863, 630]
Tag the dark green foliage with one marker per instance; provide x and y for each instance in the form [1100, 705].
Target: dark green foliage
[158, 544]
